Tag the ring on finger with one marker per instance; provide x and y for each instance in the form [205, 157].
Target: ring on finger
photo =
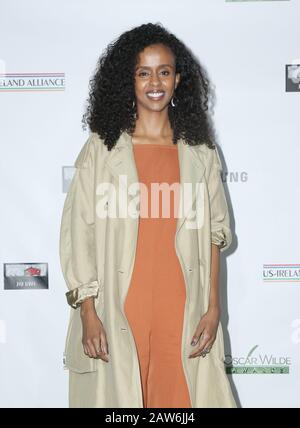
[205, 351]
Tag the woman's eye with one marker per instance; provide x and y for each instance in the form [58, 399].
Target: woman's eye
[145, 73]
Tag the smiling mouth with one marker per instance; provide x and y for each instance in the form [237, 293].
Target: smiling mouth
[155, 95]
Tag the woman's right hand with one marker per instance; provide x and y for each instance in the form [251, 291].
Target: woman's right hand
[94, 339]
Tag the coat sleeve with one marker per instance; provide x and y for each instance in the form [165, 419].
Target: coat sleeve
[77, 240]
[221, 234]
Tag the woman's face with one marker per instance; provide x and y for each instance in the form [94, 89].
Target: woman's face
[155, 77]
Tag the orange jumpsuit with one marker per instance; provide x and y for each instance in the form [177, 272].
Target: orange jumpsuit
[155, 301]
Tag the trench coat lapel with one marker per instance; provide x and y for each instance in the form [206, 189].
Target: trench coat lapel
[122, 163]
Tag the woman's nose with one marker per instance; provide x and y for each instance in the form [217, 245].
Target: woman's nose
[155, 79]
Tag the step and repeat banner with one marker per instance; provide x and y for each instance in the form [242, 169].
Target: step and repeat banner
[250, 50]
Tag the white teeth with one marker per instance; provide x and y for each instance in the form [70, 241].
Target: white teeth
[155, 94]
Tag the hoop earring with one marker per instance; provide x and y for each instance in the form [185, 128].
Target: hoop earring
[172, 102]
[133, 106]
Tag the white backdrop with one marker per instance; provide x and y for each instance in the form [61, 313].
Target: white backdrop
[245, 47]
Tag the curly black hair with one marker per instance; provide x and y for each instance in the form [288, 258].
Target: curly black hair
[110, 108]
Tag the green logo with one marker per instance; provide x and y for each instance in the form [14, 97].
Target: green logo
[257, 364]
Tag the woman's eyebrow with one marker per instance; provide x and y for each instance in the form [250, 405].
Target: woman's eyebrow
[162, 65]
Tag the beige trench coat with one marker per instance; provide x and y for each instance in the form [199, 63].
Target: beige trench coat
[97, 258]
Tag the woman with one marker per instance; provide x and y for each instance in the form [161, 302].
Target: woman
[145, 325]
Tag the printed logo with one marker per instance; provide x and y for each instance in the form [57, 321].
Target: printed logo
[292, 78]
[257, 364]
[281, 273]
[24, 276]
[32, 82]
[234, 176]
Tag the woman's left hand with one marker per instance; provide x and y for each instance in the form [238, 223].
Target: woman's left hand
[206, 332]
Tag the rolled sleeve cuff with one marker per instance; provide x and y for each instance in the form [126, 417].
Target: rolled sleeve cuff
[78, 295]
[222, 238]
